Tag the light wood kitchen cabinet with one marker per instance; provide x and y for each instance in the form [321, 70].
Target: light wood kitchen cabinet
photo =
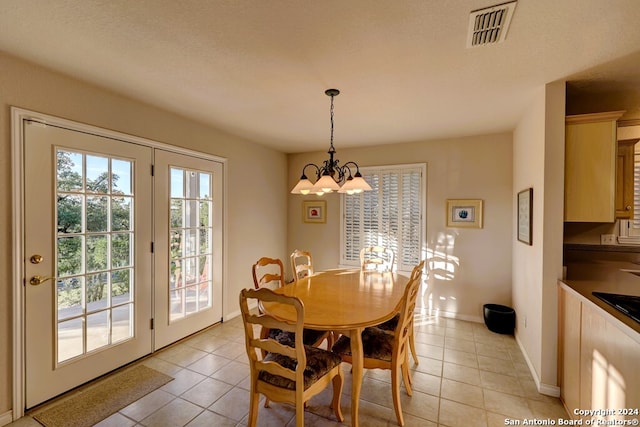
[590, 167]
[598, 362]
[624, 178]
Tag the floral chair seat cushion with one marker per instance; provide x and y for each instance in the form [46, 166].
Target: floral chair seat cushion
[319, 362]
[390, 325]
[376, 344]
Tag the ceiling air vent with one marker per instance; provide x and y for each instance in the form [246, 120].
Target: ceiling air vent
[490, 25]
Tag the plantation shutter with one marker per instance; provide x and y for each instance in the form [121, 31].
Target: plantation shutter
[390, 215]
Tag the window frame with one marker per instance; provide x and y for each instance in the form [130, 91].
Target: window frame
[422, 191]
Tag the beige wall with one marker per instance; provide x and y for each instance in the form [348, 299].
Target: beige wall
[538, 162]
[476, 167]
[256, 203]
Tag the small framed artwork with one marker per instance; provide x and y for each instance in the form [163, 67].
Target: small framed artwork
[466, 213]
[525, 215]
[314, 211]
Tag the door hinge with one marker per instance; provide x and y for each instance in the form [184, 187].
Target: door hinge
[153, 170]
[152, 247]
[152, 324]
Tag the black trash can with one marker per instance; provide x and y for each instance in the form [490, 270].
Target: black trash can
[500, 318]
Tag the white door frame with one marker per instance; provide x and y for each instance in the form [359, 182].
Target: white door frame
[18, 116]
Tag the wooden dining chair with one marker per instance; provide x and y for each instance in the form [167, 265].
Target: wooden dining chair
[381, 259]
[377, 258]
[389, 351]
[301, 264]
[269, 273]
[286, 374]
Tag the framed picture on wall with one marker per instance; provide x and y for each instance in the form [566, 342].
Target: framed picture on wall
[465, 213]
[314, 211]
[525, 215]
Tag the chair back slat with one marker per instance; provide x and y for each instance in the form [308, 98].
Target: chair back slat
[273, 346]
[276, 369]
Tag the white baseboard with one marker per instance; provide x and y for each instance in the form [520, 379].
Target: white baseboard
[458, 316]
[6, 418]
[231, 315]
[448, 315]
[546, 389]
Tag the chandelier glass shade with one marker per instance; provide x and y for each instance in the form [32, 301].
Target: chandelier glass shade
[332, 176]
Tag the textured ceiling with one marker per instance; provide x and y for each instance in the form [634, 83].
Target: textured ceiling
[259, 68]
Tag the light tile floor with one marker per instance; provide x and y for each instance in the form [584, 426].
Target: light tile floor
[467, 376]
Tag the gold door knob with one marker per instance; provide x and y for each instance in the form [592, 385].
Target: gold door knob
[38, 280]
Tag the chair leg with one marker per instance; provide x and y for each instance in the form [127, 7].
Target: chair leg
[300, 412]
[338, 381]
[395, 391]
[330, 340]
[412, 345]
[406, 378]
[253, 409]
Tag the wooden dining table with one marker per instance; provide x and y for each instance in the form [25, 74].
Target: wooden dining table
[345, 301]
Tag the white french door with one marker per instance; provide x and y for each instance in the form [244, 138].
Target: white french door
[117, 262]
[87, 257]
[188, 258]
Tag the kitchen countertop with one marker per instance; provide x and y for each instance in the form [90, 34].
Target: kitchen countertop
[609, 277]
[603, 248]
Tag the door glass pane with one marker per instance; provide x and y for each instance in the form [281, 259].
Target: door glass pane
[176, 304]
[121, 255]
[121, 288]
[97, 252]
[190, 284]
[69, 213]
[122, 323]
[191, 213]
[97, 213]
[121, 173]
[70, 339]
[177, 213]
[97, 330]
[97, 174]
[97, 291]
[70, 301]
[121, 213]
[177, 183]
[69, 171]
[69, 255]
[95, 204]
[205, 186]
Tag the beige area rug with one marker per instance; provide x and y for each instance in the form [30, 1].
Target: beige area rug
[104, 398]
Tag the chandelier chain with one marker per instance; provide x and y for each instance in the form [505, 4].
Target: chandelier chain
[331, 148]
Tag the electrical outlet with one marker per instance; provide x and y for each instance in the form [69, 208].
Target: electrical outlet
[607, 239]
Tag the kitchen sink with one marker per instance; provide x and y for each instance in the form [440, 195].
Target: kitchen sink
[629, 305]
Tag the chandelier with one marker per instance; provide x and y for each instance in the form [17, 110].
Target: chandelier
[331, 176]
